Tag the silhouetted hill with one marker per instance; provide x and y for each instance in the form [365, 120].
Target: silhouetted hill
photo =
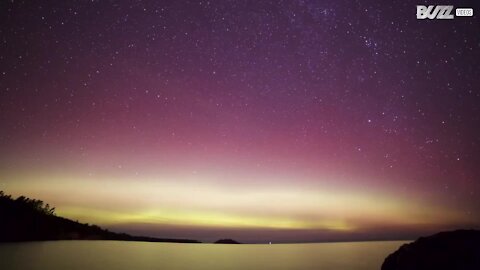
[25, 219]
[459, 250]
[226, 241]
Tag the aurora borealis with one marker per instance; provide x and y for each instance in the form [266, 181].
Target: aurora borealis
[260, 120]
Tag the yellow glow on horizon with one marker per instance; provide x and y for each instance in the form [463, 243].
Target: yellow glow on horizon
[198, 202]
[206, 219]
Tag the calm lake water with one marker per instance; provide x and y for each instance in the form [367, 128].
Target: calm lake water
[104, 255]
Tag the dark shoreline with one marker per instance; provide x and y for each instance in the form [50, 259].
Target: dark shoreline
[27, 220]
[188, 241]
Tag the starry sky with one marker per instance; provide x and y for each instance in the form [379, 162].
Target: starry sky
[279, 121]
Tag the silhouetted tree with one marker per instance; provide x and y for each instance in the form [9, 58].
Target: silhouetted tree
[36, 205]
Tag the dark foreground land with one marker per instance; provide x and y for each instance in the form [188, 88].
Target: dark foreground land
[25, 219]
[459, 250]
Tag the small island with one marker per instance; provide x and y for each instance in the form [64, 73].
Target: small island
[226, 241]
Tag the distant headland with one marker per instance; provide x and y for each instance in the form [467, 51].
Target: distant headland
[226, 241]
[25, 219]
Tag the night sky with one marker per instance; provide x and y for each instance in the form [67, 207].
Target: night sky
[256, 120]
